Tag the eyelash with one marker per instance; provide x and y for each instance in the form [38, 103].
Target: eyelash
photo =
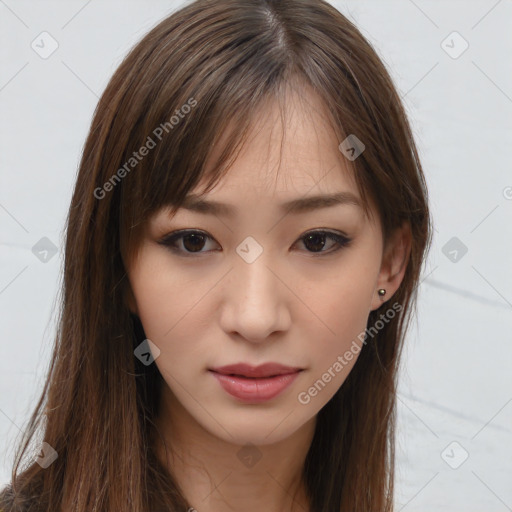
[170, 240]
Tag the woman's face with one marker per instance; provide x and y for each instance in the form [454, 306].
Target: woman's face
[255, 285]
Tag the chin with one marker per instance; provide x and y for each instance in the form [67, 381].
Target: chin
[266, 429]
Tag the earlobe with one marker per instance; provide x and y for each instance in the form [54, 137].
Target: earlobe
[394, 264]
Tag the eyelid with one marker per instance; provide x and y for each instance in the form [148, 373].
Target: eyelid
[342, 240]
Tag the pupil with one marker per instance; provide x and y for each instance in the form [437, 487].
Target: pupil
[319, 238]
[192, 247]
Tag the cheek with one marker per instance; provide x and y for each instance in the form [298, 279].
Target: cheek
[156, 296]
[155, 308]
[333, 354]
[343, 306]
[172, 305]
[343, 298]
[344, 322]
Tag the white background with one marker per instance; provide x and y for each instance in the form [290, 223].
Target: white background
[456, 385]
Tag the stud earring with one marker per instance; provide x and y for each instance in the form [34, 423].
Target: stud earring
[382, 292]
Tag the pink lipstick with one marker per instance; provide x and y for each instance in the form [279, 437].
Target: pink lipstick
[255, 384]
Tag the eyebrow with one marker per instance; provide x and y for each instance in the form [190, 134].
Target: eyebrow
[295, 206]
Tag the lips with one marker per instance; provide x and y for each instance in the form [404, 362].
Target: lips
[255, 384]
[254, 372]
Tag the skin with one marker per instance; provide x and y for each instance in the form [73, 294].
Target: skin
[291, 305]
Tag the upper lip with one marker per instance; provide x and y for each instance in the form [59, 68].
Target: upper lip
[264, 370]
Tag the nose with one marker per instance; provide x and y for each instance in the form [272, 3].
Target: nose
[254, 303]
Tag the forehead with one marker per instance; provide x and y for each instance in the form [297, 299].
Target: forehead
[291, 149]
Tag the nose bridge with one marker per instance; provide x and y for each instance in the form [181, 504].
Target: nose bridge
[254, 304]
[257, 283]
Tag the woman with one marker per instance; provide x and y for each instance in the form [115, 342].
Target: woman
[243, 250]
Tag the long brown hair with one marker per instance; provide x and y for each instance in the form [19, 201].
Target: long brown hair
[199, 75]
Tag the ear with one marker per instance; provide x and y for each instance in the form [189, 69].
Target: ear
[394, 263]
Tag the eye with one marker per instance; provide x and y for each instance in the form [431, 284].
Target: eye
[189, 242]
[315, 240]
[192, 241]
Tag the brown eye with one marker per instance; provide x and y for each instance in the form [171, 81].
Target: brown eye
[191, 242]
[315, 241]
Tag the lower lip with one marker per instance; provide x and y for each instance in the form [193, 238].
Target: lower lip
[255, 390]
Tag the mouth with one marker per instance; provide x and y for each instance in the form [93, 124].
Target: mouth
[255, 389]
